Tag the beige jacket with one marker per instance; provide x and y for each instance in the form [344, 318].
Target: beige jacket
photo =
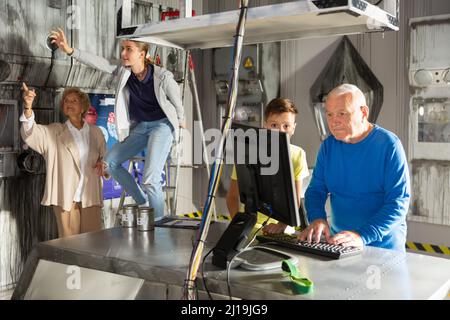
[56, 144]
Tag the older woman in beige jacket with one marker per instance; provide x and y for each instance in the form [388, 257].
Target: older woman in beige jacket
[73, 152]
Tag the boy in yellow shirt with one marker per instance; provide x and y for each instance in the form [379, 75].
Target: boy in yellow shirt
[279, 115]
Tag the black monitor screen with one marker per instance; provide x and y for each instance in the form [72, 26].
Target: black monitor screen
[265, 174]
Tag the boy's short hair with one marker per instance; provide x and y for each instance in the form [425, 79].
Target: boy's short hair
[279, 105]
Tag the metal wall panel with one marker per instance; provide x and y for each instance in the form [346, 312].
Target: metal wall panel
[24, 26]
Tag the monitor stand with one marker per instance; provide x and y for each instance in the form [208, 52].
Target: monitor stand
[254, 258]
[233, 239]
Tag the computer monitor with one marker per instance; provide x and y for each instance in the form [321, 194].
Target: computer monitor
[268, 187]
[266, 184]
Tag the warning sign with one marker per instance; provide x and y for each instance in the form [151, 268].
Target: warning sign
[248, 63]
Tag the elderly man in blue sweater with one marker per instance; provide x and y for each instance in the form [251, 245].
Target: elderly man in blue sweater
[363, 168]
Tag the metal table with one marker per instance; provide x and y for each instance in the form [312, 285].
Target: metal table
[158, 260]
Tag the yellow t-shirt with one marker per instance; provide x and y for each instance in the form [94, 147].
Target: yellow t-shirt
[300, 167]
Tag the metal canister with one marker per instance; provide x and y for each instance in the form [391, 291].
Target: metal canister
[146, 219]
[129, 215]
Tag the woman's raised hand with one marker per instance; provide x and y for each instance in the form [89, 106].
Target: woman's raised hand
[28, 96]
[59, 38]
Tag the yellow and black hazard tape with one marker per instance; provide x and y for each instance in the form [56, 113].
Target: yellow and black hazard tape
[430, 248]
[198, 215]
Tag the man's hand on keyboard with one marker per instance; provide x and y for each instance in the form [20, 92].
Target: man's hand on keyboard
[347, 239]
[274, 228]
[315, 230]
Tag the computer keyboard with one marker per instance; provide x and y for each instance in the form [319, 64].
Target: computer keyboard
[322, 248]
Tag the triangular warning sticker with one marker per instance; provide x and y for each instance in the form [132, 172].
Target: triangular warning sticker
[248, 63]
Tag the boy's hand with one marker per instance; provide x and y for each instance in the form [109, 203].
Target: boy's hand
[274, 228]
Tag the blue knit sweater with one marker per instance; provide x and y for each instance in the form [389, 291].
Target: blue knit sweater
[369, 187]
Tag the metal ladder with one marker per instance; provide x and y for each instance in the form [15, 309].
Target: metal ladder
[167, 187]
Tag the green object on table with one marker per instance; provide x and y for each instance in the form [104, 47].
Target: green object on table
[299, 284]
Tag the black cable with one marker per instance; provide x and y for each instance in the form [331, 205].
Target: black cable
[378, 2]
[203, 275]
[50, 68]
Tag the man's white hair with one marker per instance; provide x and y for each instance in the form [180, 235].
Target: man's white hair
[357, 96]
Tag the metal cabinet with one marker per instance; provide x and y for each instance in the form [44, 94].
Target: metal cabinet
[429, 122]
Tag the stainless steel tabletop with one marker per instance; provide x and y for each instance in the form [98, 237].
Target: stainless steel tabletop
[162, 256]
